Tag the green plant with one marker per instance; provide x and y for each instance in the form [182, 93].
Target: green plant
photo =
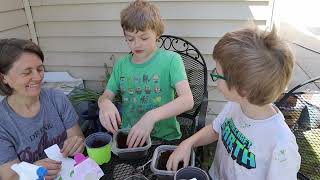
[81, 94]
[84, 94]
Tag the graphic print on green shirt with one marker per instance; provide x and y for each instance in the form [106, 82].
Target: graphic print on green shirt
[147, 86]
[237, 144]
[141, 93]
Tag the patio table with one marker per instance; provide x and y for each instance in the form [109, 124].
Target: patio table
[119, 169]
[302, 113]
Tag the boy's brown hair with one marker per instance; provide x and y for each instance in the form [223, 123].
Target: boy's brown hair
[141, 15]
[256, 63]
[10, 51]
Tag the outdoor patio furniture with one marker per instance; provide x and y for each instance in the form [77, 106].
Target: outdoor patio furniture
[196, 69]
[118, 168]
[301, 110]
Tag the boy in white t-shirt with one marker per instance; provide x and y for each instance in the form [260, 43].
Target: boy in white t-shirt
[253, 68]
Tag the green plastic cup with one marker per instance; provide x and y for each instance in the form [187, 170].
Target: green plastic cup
[98, 147]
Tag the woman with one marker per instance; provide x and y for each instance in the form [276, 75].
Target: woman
[32, 119]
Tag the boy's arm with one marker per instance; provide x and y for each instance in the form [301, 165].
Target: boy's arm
[182, 103]
[205, 136]
[142, 129]
[107, 95]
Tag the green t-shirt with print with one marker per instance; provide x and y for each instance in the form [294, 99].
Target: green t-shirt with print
[147, 86]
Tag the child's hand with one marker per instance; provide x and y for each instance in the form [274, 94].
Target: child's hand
[182, 153]
[140, 131]
[109, 116]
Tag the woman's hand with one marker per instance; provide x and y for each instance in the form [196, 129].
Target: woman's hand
[181, 153]
[53, 167]
[72, 145]
[109, 115]
[141, 130]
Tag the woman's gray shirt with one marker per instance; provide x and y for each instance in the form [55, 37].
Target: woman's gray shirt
[26, 138]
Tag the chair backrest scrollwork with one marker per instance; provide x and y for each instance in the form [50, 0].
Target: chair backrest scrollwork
[195, 66]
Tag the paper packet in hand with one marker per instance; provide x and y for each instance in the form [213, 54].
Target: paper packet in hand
[67, 166]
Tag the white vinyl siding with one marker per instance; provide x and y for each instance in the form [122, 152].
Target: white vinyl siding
[13, 21]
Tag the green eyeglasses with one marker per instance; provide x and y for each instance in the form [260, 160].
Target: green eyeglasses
[215, 76]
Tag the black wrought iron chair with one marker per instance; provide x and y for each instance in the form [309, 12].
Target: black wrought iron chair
[196, 69]
[301, 110]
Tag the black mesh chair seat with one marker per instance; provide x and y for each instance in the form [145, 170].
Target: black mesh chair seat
[185, 127]
[301, 110]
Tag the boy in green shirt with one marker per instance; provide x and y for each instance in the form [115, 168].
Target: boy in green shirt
[146, 79]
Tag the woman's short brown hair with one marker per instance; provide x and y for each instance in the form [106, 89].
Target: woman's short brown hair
[141, 15]
[10, 52]
[256, 63]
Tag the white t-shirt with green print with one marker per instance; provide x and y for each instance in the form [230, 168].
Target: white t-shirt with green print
[147, 86]
[250, 149]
